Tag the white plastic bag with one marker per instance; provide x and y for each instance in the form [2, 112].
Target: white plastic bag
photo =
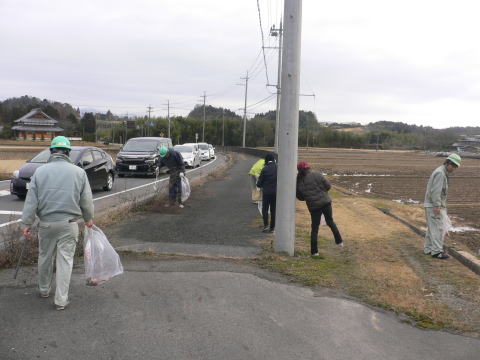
[101, 260]
[446, 223]
[185, 188]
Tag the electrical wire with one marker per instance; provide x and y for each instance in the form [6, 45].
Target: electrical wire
[263, 40]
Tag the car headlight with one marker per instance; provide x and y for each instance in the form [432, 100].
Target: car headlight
[16, 174]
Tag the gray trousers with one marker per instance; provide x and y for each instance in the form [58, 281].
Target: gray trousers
[60, 239]
[434, 236]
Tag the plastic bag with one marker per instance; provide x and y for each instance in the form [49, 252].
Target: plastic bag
[101, 260]
[257, 194]
[185, 188]
[446, 223]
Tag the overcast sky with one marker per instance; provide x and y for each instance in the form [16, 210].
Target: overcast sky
[415, 61]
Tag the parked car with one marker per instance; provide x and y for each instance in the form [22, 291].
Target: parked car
[139, 156]
[190, 156]
[97, 164]
[212, 151]
[204, 151]
[196, 149]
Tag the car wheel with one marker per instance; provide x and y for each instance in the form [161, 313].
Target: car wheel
[109, 184]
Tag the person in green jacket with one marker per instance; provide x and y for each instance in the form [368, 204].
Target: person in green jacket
[59, 195]
[436, 203]
[254, 174]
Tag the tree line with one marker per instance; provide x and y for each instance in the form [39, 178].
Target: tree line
[224, 126]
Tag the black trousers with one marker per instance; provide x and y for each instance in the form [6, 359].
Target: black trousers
[269, 201]
[175, 187]
[316, 215]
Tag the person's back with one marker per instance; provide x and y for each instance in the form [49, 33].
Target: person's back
[267, 180]
[58, 186]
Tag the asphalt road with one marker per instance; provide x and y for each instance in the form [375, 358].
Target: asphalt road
[183, 308]
[11, 207]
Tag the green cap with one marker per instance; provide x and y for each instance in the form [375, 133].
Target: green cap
[163, 151]
[60, 142]
[454, 158]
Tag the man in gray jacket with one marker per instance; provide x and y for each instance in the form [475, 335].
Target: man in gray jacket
[59, 195]
[435, 203]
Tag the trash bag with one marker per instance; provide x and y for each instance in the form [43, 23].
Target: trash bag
[446, 223]
[257, 194]
[101, 260]
[185, 188]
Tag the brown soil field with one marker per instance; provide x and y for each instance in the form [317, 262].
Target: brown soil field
[402, 176]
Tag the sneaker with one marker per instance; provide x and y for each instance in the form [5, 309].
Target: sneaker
[59, 307]
[316, 254]
[266, 229]
[43, 295]
[181, 206]
[441, 255]
[341, 244]
[271, 231]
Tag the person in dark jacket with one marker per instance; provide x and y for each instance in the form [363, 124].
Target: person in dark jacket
[313, 188]
[267, 181]
[173, 160]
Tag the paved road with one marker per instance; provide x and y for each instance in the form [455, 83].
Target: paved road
[11, 206]
[182, 308]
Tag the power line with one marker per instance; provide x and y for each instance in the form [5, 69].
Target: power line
[261, 102]
[263, 40]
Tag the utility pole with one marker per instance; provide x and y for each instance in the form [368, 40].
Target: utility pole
[168, 116]
[288, 128]
[273, 32]
[245, 110]
[148, 125]
[223, 127]
[204, 118]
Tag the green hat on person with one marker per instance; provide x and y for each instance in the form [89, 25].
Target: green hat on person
[163, 151]
[60, 142]
[454, 158]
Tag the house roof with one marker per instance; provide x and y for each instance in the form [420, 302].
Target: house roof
[36, 117]
[37, 128]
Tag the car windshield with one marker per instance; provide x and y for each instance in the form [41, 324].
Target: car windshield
[183, 148]
[203, 146]
[140, 145]
[45, 155]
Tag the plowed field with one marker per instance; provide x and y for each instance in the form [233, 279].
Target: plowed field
[402, 176]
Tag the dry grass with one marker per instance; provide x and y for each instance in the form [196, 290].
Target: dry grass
[7, 167]
[383, 264]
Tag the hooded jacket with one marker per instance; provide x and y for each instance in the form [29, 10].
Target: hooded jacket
[59, 190]
[268, 179]
[313, 188]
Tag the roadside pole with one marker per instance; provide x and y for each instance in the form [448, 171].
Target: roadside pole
[288, 128]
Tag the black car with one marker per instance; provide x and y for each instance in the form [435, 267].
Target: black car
[97, 164]
[139, 156]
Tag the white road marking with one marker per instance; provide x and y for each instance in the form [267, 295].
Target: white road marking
[4, 192]
[9, 223]
[9, 212]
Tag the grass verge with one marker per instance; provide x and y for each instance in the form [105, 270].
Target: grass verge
[383, 265]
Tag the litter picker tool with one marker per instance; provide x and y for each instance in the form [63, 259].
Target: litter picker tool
[25, 240]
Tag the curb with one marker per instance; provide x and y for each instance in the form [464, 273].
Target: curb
[464, 257]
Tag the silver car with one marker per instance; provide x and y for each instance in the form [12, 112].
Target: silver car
[191, 157]
[204, 151]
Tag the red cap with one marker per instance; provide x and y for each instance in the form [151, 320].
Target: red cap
[302, 166]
